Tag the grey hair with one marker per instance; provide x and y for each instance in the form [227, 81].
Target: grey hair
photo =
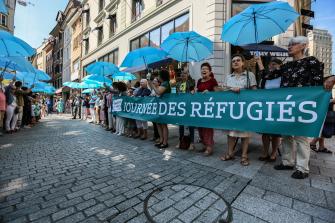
[300, 40]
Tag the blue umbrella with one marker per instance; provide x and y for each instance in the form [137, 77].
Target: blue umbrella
[90, 84]
[16, 64]
[124, 76]
[41, 75]
[71, 84]
[3, 8]
[87, 91]
[102, 68]
[97, 78]
[13, 46]
[143, 57]
[259, 22]
[187, 46]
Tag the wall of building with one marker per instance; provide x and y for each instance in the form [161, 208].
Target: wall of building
[76, 46]
[66, 75]
[10, 4]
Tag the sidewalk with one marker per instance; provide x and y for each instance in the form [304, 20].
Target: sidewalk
[71, 171]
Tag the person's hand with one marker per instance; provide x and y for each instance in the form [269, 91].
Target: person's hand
[235, 89]
[259, 62]
[192, 92]
[329, 83]
[205, 91]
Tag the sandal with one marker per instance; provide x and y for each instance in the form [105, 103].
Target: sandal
[313, 147]
[163, 146]
[208, 152]
[324, 150]
[245, 161]
[227, 157]
[272, 159]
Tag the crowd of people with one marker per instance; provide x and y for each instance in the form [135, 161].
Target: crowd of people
[97, 107]
[20, 107]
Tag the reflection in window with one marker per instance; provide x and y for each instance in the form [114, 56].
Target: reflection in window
[155, 37]
[134, 44]
[137, 9]
[144, 40]
[167, 29]
[182, 23]
[112, 24]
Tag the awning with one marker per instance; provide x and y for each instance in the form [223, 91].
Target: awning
[266, 50]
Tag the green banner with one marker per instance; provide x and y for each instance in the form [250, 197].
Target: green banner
[285, 111]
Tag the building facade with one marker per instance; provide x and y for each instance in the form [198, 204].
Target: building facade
[320, 46]
[76, 39]
[48, 49]
[7, 20]
[40, 59]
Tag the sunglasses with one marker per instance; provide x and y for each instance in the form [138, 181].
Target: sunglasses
[237, 60]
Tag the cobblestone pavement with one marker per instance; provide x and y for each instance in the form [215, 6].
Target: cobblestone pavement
[70, 171]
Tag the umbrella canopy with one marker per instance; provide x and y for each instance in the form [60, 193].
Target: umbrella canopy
[87, 91]
[187, 46]
[102, 68]
[16, 64]
[71, 84]
[124, 76]
[13, 46]
[97, 78]
[41, 75]
[89, 84]
[3, 8]
[143, 57]
[259, 22]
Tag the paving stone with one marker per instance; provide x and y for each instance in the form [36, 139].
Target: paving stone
[278, 199]
[269, 211]
[128, 203]
[114, 201]
[315, 211]
[94, 209]
[124, 216]
[239, 217]
[328, 186]
[166, 215]
[164, 204]
[71, 202]
[63, 213]
[78, 217]
[42, 213]
[254, 191]
[190, 214]
[205, 202]
[107, 214]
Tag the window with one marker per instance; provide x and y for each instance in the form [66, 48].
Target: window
[137, 9]
[3, 20]
[100, 35]
[144, 40]
[134, 44]
[88, 17]
[101, 5]
[182, 23]
[167, 29]
[76, 65]
[155, 37]
[111, 57]
[112, 25]
[87, 45]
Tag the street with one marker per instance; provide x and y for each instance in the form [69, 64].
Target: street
[66, 170]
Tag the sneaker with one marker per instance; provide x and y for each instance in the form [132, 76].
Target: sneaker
[299, 175]
[282, 167]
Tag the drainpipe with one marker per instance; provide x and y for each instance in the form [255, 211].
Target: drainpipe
[227, 64]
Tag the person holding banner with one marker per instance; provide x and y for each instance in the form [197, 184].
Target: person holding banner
[205, 84]
[164, 88]
[240, 79]
[301, 72]
[186, 85]
[274, 139]
[120, 121]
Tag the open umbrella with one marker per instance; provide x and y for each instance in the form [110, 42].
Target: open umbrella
[87, 91]
[71, 84]
[187, 46]
[15, 64]
[259, 22]
[41, 75]
[97, 78]
[102, 68]
[143, 57]
[124, 76]
[13, 46]
[90, 84]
